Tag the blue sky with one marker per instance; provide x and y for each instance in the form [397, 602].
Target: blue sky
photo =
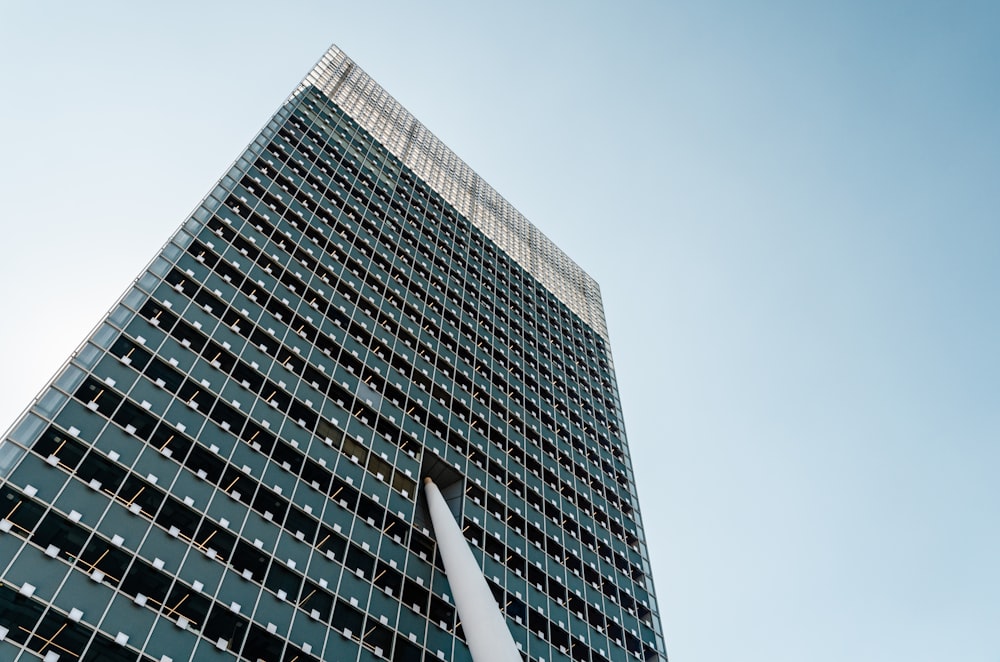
[792, 209]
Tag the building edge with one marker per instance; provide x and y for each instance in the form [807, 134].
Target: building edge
[404, 136]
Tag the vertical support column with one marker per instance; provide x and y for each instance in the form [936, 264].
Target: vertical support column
[485, 629]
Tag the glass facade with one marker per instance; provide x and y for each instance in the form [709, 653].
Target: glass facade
[228, 467]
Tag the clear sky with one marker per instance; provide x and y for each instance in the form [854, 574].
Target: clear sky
[792, 209]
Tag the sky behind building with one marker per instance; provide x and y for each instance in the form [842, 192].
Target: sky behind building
[791, 210]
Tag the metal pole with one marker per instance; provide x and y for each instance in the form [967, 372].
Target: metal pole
[486, 631]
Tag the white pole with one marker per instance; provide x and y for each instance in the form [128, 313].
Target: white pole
[485, 629]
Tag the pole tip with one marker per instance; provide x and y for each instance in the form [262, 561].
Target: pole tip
[427, 480]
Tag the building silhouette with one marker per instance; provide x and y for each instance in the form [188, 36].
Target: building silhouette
[229, 467]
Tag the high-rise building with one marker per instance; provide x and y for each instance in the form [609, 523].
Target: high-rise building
[229, 467]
